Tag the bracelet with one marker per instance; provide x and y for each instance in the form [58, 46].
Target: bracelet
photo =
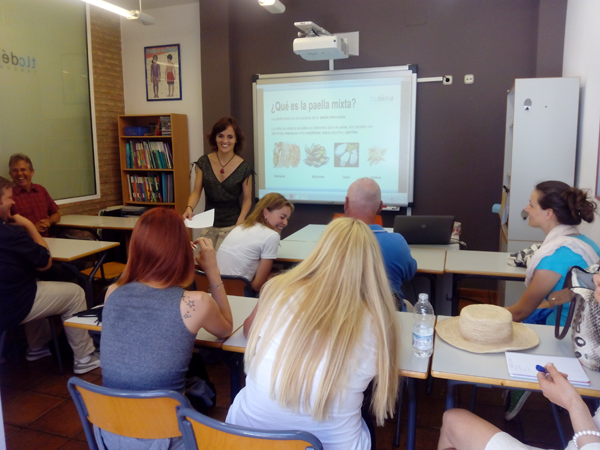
[583, 433]
[188, 206]
[218, 286]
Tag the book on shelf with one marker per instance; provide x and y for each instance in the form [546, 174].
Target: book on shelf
[148, 155]
[152, 188]
[165, 125]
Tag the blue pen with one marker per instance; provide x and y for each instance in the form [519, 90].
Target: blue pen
[541, 369]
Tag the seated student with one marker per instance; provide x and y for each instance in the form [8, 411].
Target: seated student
[149, 322]
[463, 430]
[557, 209]
[23, 254]
[32, 201]
[363, 202]
[250, 248]
[321, 333]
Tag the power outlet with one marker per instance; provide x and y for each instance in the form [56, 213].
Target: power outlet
[447, 79]
[469, 79]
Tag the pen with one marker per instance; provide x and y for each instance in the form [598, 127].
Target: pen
[541, 369]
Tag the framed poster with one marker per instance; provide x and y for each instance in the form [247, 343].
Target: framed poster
[163, 72]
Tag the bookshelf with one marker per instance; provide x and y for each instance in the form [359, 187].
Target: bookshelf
[154, 169]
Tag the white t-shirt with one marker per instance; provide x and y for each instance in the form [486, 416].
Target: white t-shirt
[243, 248]
[253, 406]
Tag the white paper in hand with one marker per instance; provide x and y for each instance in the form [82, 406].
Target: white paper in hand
[202, 220]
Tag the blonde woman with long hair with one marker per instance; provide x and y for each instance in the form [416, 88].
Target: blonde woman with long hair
[250, 248]
[320, 334]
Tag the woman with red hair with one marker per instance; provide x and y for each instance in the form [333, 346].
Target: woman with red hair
[149, 322]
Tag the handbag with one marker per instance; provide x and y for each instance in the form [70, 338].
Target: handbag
[583, 317]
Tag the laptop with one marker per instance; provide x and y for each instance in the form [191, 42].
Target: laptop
[425, 230]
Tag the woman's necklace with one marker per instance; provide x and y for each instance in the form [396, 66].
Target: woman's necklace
[223, 165]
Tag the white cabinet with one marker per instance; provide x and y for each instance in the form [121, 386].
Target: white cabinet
[541, 141]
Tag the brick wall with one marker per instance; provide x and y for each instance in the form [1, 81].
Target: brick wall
[110, 102]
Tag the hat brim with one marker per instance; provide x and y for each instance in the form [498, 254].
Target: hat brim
[522, 338]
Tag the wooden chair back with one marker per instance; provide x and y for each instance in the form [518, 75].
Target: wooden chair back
[141, 415]
[378, 220]
[234, 285]
[202, 432]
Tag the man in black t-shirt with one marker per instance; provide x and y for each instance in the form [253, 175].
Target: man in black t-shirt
[24, 299]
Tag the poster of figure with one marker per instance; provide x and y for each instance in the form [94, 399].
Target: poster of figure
[163, 72]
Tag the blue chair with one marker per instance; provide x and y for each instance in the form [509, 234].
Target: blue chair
[141, 415]
[201, 432]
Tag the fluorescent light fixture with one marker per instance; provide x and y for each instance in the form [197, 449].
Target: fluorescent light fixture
[130, 15]
[273, 6]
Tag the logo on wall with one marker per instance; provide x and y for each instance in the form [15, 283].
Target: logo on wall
[10, 61]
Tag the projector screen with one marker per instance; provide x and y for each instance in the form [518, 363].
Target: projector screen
[317, 132]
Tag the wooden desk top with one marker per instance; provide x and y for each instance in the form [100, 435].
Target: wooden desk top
[492, 264]
[428, 260]
[409, 365]
[453, 363]
[104, 222]
[241, 307]
[72, 249]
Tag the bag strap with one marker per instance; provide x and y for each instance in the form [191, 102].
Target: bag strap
[568, 284]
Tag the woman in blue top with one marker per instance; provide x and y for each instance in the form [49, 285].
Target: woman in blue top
[555, 208]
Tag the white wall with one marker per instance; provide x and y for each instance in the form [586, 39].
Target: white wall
[582, 59]
[174, 25]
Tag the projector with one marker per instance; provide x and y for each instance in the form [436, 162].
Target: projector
[317, 48]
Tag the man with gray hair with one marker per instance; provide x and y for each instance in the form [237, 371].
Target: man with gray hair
[363, 202]
[32, 201]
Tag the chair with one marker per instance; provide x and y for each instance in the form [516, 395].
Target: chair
[142, 415]
[201, 432]
[54, 339]
[378, 220]
[108, 271]
[234, 284]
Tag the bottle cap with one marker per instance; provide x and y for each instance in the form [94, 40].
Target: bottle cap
[423, 297]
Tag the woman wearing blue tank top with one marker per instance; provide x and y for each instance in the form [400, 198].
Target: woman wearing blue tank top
[150, 322]
[555, 208]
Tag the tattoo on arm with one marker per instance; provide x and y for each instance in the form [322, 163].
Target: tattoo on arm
[190, 305]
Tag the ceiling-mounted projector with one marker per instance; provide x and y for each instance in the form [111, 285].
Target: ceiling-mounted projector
[321, 47]
[315, 43]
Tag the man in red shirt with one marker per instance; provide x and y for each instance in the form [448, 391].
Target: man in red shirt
[32, 201]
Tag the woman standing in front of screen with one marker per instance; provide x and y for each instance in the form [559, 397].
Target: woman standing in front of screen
[225, 176]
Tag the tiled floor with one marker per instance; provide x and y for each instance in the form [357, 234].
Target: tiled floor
[39, 414]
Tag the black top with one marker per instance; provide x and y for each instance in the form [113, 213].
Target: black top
[223, 197]
[20, 255]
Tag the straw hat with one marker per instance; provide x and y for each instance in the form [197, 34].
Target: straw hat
[486, 329]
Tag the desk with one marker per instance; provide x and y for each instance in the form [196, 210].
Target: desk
[103, 222]
[68, 250]
[462, 367]
[409, 366]
[472, 264]
[241, 307]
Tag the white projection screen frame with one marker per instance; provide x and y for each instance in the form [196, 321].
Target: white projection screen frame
[317, 132]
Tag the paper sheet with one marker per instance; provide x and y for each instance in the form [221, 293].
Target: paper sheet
[202, 220]
[522, 365]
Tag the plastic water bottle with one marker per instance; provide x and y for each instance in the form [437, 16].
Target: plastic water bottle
[422, 331]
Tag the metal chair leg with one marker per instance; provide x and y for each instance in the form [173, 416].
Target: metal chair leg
[399, 411]
[56, 347]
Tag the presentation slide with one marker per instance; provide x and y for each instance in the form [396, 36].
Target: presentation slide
[314, 138]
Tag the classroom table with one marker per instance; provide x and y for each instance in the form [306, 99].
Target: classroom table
[95, 222]
[69, 250]
[463, 367]
[241, 307]
[474, 264]
[430, 261]
[409, 366]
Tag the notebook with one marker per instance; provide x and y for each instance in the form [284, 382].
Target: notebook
[432, 230]
[522, 365]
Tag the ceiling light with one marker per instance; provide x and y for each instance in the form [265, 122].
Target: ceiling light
[130, 15]
[273, 6]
